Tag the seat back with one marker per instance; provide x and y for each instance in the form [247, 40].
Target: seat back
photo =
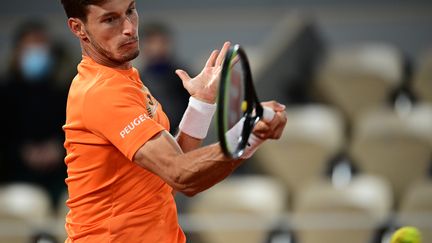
[355, 78]
[393, 146]
[239, 209]
[313, 135]
[325, 213]
[24, 210]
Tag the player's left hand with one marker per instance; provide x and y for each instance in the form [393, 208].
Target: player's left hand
[205, 85]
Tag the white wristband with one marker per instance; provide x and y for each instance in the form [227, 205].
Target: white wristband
[253, 142]
[197, 118]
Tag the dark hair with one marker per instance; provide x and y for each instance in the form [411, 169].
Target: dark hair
[28, 27]
[78, 8]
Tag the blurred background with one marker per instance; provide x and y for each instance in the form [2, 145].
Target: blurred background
[354, 162]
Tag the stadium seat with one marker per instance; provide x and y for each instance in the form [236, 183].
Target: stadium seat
[24, 209]
[422, 82]
[25, 202]
[418, 197]
[239, 209]
[313, 135]
[416, 208]
[393, 145]
[420, 120]
[356, 77]
[325, 213]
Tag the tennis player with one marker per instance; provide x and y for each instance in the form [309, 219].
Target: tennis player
[123, 165]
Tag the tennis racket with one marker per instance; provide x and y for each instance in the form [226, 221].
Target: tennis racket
[238, 102]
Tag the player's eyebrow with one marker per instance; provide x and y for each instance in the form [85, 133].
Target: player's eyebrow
[108, 14]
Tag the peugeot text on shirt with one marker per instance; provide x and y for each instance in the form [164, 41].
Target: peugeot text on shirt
[131, 126]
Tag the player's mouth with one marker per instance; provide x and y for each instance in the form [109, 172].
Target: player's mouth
[130, 43]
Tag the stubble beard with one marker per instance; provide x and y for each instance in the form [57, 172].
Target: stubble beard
[131, 56]
[124, 58]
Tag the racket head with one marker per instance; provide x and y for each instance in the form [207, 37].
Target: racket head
[237, 102]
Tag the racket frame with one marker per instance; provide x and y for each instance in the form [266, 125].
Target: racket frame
[253, 112]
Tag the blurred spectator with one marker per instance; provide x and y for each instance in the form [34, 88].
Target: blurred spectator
[33, 109]
[157, 73]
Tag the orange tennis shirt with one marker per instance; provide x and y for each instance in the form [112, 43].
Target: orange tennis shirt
[110, 115]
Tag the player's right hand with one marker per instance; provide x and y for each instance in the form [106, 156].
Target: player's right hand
[274, 128]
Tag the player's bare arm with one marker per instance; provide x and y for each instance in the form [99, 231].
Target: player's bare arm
[191, 170]
[197, 170]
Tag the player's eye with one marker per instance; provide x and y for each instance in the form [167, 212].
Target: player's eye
[109, 20]
[130, 11]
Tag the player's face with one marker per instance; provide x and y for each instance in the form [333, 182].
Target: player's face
[112, 30]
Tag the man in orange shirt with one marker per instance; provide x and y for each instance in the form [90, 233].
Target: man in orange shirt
[123, 165]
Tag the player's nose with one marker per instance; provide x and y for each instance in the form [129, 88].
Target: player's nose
[129, 27]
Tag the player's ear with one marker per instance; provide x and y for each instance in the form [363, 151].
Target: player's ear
[76, 25]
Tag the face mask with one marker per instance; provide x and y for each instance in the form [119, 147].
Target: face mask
[35, 62]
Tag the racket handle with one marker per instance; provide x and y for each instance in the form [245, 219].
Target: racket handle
[268, 114]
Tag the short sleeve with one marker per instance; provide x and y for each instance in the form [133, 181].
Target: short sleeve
[117, 112]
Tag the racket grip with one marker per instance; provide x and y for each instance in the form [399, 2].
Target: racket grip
[268, 114]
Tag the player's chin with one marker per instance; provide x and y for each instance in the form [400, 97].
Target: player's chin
[128, 55]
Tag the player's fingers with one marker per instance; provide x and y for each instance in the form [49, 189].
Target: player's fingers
[278, 130]
[212, 59]
[276, 106]
[265, 131]
[278, 133]
[261, 135]
[273, 129]
[183, 75]
[275, 122]
[261, 128]
[222, 53]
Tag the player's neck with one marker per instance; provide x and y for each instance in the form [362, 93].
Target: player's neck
[103, 60]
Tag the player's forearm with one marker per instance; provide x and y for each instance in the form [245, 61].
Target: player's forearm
[202, 168]
[190, 172]
[188, 143]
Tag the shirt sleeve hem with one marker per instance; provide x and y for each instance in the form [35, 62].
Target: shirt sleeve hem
[140, 140]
